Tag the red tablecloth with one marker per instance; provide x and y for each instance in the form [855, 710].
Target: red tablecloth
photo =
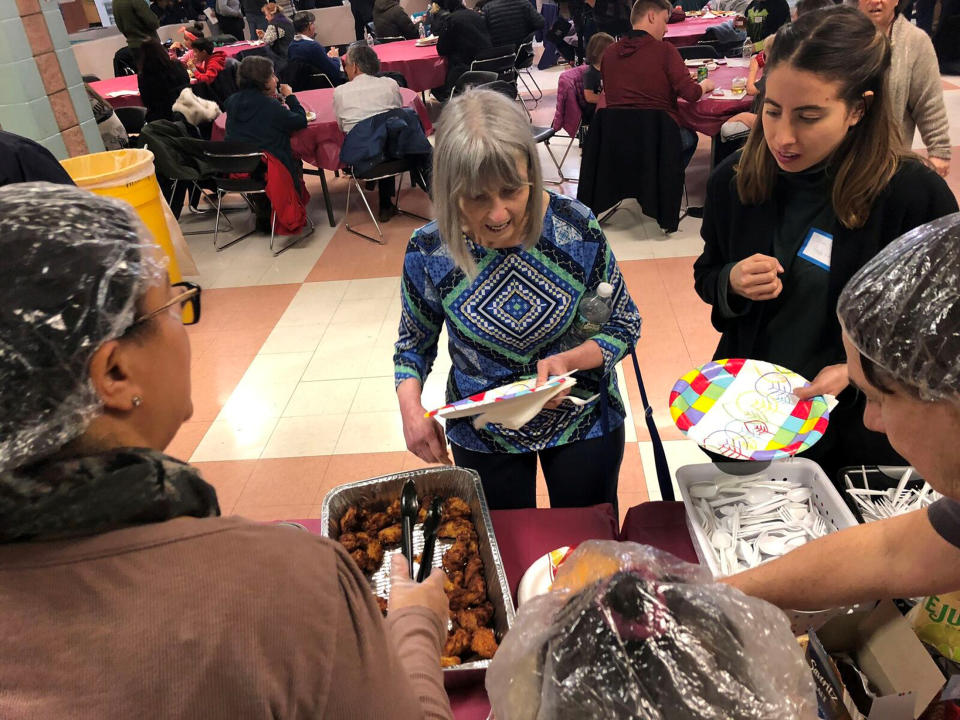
[421, 66]
[709, 113]
[691, 30]
[125, 84]
[319, 143]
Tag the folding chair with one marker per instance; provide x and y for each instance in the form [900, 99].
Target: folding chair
[391, 168]
[698, 52]
[132, 118]
[523, 64]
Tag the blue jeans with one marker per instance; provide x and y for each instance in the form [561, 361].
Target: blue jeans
[688, 145]
[255, 21]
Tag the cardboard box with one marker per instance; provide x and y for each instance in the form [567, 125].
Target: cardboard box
[891, 656]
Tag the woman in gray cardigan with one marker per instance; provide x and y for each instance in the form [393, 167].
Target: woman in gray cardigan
[914, 82]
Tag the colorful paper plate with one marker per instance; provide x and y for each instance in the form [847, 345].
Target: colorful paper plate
[746, 410]
[475, 404]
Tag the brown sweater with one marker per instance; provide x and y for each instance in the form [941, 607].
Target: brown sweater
[206, 618]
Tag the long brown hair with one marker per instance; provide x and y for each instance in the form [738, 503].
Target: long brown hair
[839, 45]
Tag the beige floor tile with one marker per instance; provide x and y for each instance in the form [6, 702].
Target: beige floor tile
[306, 435]
[376, 394]
[243, 440]
[293, 339]
[374, 431]
[322, 397]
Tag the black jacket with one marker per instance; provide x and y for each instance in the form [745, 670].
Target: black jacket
[391, 20]
[759, 26]
[160, 88]
[510, 22]
[633, 153]
[254, 118]
[391, 135]
[23, 160]
[733, 231]
[463, 34]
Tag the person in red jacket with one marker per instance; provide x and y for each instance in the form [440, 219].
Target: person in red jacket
[206, 62]
[642, 71]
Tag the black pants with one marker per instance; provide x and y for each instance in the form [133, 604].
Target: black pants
[387, 188]
[578, 474]
[231, 26]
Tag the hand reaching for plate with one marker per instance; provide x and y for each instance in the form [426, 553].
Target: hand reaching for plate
[554, 365]
[832, 380]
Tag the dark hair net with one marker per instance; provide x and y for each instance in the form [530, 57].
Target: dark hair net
[902, 309]
[74, 265]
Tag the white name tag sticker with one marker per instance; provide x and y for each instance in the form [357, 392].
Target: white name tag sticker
[817, 248]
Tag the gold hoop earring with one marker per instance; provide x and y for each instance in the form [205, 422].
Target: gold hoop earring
[137, 401]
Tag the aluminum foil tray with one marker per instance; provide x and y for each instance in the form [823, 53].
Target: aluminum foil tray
[443, 482]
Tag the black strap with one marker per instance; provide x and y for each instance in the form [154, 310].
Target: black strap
[659, 456]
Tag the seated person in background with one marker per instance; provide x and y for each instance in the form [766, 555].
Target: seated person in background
[642, 71]
[279, 33]
[24, 160]
[764, 17]
[462, 34]
[206, 62]
[256, 115]
[96, 521]
[112, 132]
[510, 22]
[593, 79]
[914, 88]
[160, 80]
[391, 20]
[307, 49]
[805, 6]
[757, 63]
[363, 96]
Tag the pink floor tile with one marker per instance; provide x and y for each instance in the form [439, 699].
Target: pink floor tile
[213, 379]
[186, 440]
[229, 478]
[269, 513]
[285, 481]
[350, 468]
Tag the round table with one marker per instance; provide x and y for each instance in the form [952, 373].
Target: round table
[692, 30]
[710, 112]
[319, 143]
[421, 66]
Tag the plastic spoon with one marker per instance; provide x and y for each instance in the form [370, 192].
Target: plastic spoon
[778, 544]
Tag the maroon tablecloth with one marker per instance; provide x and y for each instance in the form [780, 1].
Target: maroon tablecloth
[692, 30]
[319, 143]
[662, 525]
[709, 113]
[126, 84]
[421, 66]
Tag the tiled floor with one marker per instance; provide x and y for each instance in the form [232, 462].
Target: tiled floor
[292, 362]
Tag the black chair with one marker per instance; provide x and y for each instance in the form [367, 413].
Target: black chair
[377, 40]
[383, 171]
[300, 76]
[633, 153]
[698, 52]
[133, 119]
[499, 60]
[227, 159]
[522, 64]
[472, 78]
[398, 78]
[90, 79]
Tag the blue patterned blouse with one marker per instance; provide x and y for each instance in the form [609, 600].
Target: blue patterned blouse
[514, 313]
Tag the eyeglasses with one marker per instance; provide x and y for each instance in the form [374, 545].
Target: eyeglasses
[189, 301]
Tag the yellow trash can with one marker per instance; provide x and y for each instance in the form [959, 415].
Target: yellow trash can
[128, 175]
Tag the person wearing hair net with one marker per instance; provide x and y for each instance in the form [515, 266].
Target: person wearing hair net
[122, 590]
[901, 319]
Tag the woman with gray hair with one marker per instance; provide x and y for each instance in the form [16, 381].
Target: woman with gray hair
[124, 594]
[505, 266]
[901, 321]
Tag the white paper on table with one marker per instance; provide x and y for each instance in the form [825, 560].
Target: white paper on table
[751, 410]
[738, 62]
[727, 95]
[122, 93]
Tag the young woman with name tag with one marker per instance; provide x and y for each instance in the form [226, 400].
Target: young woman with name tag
[821, 186]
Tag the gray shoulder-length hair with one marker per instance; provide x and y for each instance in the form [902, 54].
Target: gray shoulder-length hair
[480, 137]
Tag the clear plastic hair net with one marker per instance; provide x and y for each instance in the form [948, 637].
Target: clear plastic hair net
[902, 309]
[73, 266]
[629, 631]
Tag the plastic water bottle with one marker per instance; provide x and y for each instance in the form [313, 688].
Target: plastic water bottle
[594, 310]
[423, 31]
[747, 49]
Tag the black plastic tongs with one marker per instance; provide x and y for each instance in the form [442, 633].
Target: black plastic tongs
[409, 509]
[430, 526]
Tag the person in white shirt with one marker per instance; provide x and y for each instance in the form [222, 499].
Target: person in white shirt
[363, 96]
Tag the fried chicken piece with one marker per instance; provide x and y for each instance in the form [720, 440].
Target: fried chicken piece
[375, 554]
[461, 598]
[448, 661]
[455, 558]
[453, 528]
[350, 541]
[350, 520]
[453, 581]
[359, 557]
[393, 511]
[457, 641]
[474, 618]
[454, 507]
[376, 522]
[473, 571]
[484, 643]
[382, 604]
[424, 506]
[390, 535]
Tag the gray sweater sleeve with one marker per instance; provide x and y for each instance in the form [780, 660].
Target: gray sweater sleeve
[925, 97]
